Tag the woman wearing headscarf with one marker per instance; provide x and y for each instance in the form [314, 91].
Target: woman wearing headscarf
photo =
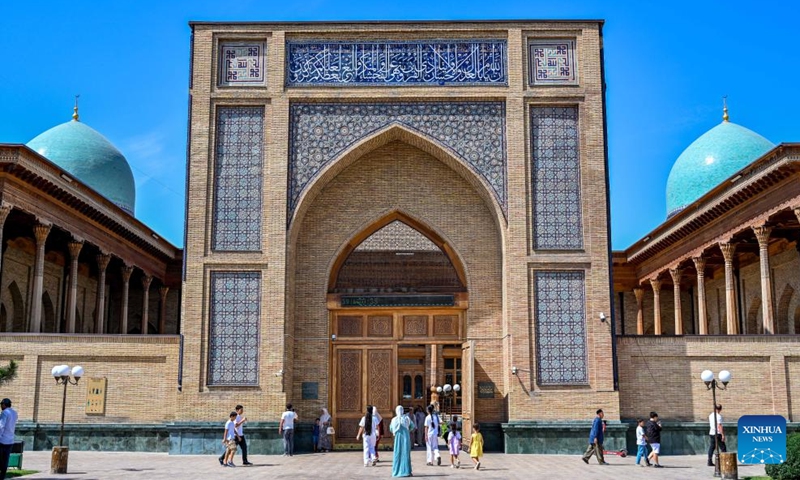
[368, 427]
[324, 444]
[419, 416]
[400, 428]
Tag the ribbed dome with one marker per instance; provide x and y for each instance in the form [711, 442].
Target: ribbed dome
[91, 158]
[715, 156]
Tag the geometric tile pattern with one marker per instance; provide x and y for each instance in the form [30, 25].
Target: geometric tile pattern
[552, 62]
[397, 236]
[242, 64]
[433, 63]
[237, 179]
[556, 179]
[234, 328]
[560, 328]
[471, 131]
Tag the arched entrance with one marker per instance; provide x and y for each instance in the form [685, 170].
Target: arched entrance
[397, 299]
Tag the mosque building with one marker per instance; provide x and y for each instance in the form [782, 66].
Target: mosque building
[376, 213]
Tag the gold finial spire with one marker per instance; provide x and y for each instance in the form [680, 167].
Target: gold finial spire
[75, 110]
[725, 116]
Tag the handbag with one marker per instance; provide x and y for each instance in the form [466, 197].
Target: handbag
[331, 431]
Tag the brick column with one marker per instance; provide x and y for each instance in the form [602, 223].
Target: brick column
[767, 309]
[146, 279]
[5, 209]
[40, 231]
[676, 273]
[639, 294]
[656, 284]
[75, 247]
[162, 312]
[127, 270]
[102, 264]
[702, 320]
[728, 250]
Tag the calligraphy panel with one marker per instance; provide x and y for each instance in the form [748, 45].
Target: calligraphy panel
[242, 64]
[552, 62]
[234, 328]
[349, 381]
[560, 322]
[432, 63]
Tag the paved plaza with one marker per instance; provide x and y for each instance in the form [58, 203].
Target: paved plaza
[346, 465]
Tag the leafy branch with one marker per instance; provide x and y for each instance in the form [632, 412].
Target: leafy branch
[8, 373]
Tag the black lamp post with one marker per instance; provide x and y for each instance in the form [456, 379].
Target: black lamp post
[60, 456]
[713, 384]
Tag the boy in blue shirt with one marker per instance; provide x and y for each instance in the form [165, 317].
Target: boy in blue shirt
[595, 440]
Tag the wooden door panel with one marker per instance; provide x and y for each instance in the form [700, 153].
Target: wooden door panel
[349, 381]
[381, 374]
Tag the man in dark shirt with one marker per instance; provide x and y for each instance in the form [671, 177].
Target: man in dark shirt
[653, 433]
[595, 440]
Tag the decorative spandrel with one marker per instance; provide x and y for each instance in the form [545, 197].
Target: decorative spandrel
[237, 179]
[560, 322]
[472, 131]
[431, 63]
[552, 62]
[556, 179]
[242, 64]
[234, 328]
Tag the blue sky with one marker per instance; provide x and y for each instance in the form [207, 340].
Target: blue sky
[668, 64]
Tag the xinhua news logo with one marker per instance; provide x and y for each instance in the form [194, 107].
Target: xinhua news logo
[762, 439]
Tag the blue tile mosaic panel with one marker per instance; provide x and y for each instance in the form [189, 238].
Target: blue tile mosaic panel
[234, 328]
[472, 131]
[552, 62]
[560, 322]
[462, 62]
[556, 179]
[238, 163]
[242, 64]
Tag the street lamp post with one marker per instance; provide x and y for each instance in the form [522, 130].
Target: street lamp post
[449, 393]
[60, 455]
[713, 384]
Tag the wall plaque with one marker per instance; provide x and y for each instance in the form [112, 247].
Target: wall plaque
[96, 396]
[485, 389]
[310, 391]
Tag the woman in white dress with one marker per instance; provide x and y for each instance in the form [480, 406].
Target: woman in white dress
[368, 429]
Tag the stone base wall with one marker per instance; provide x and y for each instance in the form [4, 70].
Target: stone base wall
[563, 438]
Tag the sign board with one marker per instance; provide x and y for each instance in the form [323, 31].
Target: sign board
[762, 439]
[96, 396]
[310, 391]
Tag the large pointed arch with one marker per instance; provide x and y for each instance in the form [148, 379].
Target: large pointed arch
[391, 133]
[384, 220]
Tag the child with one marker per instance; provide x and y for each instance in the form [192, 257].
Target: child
[315, 434]
[229, 440]
[476, 446]
[641, 443]
[454, 445]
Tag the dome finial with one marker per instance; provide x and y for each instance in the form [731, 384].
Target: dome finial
[725, 117]
[75, 110]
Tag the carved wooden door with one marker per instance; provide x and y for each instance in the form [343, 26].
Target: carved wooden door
[467, 390]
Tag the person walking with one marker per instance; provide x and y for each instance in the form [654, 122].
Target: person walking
[286, 428]
[401, 429]
[432, 437]
[641, 444]
[454, 445]
[716, 433]
[378, 432]
[419, 416]
[653, 433]
[476, 445]
[595, 440]
[240, 420]
[325, 443]
[8, 426]
[368, 430]
[229, 438]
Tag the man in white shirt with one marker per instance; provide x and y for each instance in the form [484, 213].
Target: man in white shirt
[432, 437]
[229, 440]
[8, 424]
[286, 428]
[240, 420]
[716, 434]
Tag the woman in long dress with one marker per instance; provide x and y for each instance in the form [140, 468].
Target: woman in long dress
[419, 416]
[401, 463]
[324, 444]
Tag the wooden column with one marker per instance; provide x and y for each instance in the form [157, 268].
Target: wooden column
[728, 249]
[767, 309]
[676, 273]
[5, 209]
[127, 270]
[162, 312]
[102, 264]
[40, 231]
[639, 294]
[656, 284]
[146, 279]
[702, 320]
[75, 247]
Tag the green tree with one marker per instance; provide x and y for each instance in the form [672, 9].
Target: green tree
[8, 373]
[790, 469]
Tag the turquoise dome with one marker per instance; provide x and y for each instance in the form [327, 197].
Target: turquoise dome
[709, 160]
[91, 158]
